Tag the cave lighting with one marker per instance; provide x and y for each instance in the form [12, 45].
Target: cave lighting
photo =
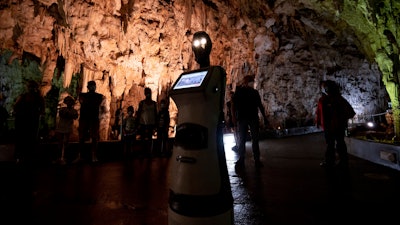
[229, 143]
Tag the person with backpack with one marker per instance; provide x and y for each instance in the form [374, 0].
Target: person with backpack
[333, 114]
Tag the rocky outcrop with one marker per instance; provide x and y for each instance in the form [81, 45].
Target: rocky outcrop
[126, 45]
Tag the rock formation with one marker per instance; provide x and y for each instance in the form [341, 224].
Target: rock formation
[126, 45]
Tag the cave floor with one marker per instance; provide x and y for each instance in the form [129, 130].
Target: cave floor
[291, 188]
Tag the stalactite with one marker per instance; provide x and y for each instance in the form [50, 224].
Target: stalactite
[86, 77]
[68, 71]
[96, 39]
[203, 15]
[188, 13]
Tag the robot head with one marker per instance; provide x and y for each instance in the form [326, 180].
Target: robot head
[201, 47]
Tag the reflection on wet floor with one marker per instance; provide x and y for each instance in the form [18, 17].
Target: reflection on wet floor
[291, 188]
[245, 211]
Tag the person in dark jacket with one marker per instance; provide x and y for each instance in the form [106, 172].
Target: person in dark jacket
[163, 120]
[319, 119]
[335, 111]
[146, 117]
[89, 119]
[246, 104]
[28, 110]
[129, 129]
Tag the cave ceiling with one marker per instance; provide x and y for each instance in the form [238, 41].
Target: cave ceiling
[136, 35]
[127, 43]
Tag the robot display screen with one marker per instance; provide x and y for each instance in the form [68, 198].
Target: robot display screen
[190, 80]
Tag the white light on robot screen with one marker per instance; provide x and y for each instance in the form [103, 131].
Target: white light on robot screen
[191, 80]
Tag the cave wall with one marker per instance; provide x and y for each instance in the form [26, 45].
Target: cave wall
[126, 45]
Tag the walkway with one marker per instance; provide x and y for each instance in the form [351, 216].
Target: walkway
[290, 189]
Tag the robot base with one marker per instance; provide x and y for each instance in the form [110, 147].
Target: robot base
[221, 219]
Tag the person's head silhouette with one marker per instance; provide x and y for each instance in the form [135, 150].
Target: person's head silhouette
[91, 86]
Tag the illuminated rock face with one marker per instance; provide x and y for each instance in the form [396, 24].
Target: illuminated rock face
[126, 45]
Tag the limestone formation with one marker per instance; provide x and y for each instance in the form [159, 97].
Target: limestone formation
[126, 45]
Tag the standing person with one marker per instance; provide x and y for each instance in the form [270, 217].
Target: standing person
[146, 117]
[28, 110]
[335, 111]
[3, 119]
[163, 120]
[230, 124]
[319, 121]
[67, 115]
[89, 122]
[117, 127]
[246, 103]
[229, 121]
[129, 130]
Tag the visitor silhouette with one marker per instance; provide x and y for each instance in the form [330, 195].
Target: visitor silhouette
[146, 116]
[89, 121]
[28, 110]
[333, 116]
[246, 104]
[129, 130]
[67, 115]
[3, 119]
[163, 120]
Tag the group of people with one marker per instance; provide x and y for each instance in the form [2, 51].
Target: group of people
[147, 121]
[142, 123]
[30, 108]
[332, 114]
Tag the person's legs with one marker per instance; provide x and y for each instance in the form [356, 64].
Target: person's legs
[255, 138]
[341, 148]
[255, 133]
[63, 139]
[142, 134]
[150, 141]
[162, 137]
[242, 131]
[323, 162]
[330, 156]
[82, 131]
[146, 137]
[236, 137]
[20, 144]
[94, 134]
[129, 142]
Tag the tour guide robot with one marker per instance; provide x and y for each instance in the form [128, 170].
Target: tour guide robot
[200, 191]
